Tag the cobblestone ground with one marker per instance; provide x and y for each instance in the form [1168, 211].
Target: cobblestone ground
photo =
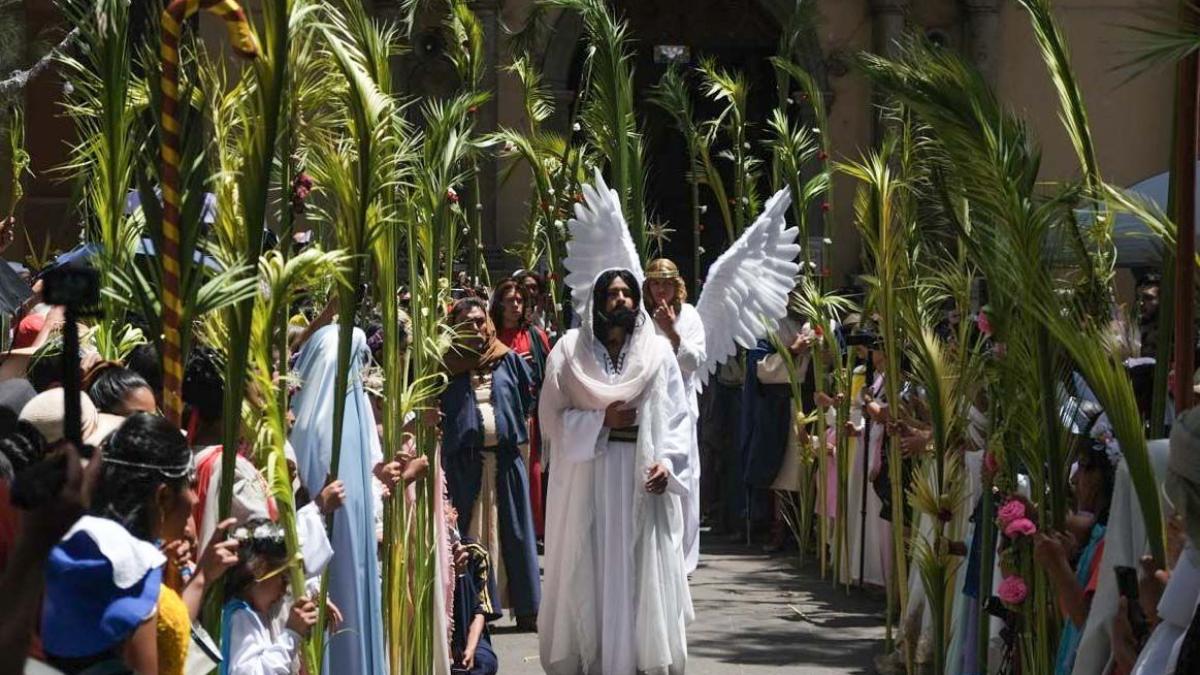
[756, 614]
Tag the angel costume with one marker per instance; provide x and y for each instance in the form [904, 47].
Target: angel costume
[615, 598]
[690, 356]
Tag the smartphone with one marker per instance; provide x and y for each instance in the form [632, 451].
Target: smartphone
[1127, 585]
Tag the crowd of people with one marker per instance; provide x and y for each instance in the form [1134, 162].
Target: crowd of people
[587, 439]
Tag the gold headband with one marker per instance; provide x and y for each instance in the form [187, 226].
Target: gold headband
[662, 269]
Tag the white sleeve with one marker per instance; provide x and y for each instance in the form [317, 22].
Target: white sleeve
[252, 652]
[576, 435]
[674, 450]
[690, 354]
[314, 540]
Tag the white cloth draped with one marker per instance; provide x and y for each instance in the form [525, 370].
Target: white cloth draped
[615, 596]
[690, 357]
[1124, 545]
[1176, 609]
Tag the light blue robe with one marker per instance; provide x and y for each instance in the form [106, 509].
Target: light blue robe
[354, 583]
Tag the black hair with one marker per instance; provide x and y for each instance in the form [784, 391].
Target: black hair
[112, 385]
[464, 305]
[522, 275]
[262, 548]
[601, 321]
[204, 383]
[45, 369]
[146, 451]
[496, 311]
[23, 446]
[145, 361]
[1095, 457]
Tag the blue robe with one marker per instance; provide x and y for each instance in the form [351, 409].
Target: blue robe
[766, 409]
[354, 571]
[462, 460]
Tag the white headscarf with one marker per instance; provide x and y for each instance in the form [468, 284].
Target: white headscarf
[641, 359]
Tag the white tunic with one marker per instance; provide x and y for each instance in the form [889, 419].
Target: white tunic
[1178, 605]
[615, 598]
[690, 355]
[254, 651]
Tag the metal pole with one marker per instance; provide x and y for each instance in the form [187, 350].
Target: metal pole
[1184, 175]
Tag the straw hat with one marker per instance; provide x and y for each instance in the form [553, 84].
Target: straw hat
[47, 409]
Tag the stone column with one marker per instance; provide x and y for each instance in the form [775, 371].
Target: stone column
[983, 36]
[887, 24]
[488, 12]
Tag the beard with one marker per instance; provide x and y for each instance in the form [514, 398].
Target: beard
[623, 317]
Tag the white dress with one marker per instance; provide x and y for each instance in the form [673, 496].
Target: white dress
[690, 356]
[870, 551]
[615, 598]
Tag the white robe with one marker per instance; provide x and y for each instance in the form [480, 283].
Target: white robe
[875, 544]
[690, 356]
[1125, 543]
[615, 599]
[1178, 605]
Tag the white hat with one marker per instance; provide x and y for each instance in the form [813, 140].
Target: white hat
[46, 411]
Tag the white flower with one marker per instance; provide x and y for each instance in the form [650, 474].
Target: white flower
[816, 130]
[745, 200]
[558, 223]
[746, 145]
[509, 147]
[576, 126]
[703, 209]
[558, 306]
[466, 231]
[700, 250]
[790, 101]
[827, 241]
[812, 265]
[478, 207]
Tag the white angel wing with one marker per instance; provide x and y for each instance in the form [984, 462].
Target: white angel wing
[746, 291]
[599, 241]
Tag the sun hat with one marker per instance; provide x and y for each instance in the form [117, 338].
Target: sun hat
[46, 410]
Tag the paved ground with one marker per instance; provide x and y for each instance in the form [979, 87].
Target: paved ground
[754, 615]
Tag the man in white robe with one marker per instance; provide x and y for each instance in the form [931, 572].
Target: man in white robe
[679, 322]
[615, 599]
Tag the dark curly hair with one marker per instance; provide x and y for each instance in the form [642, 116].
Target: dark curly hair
[110, 387]
[24, 446]
[146, 451]
[204, 383]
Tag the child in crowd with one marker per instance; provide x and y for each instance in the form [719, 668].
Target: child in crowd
[252, 589]
[473, 609]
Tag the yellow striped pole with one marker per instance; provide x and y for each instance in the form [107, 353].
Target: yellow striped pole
[244, 43]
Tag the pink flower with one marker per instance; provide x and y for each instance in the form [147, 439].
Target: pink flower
[1012, 509]
[1012, 590]
[1021, 527]
[982, 323]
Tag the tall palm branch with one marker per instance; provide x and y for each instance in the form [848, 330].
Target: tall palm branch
[608, 114]
[824, 311]
[886, 240]
[103, 106]
[280, 280]
[731, 90]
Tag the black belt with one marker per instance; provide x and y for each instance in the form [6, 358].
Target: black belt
[624, 435]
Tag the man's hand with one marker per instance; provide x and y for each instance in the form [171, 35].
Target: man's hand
[1124, 643]
[468, 659]
[462, 557]
[332, 496]
[913, 442]
[617, 416]
[664, 316]
[803, 342]
[1151, 587]
[656, 479]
